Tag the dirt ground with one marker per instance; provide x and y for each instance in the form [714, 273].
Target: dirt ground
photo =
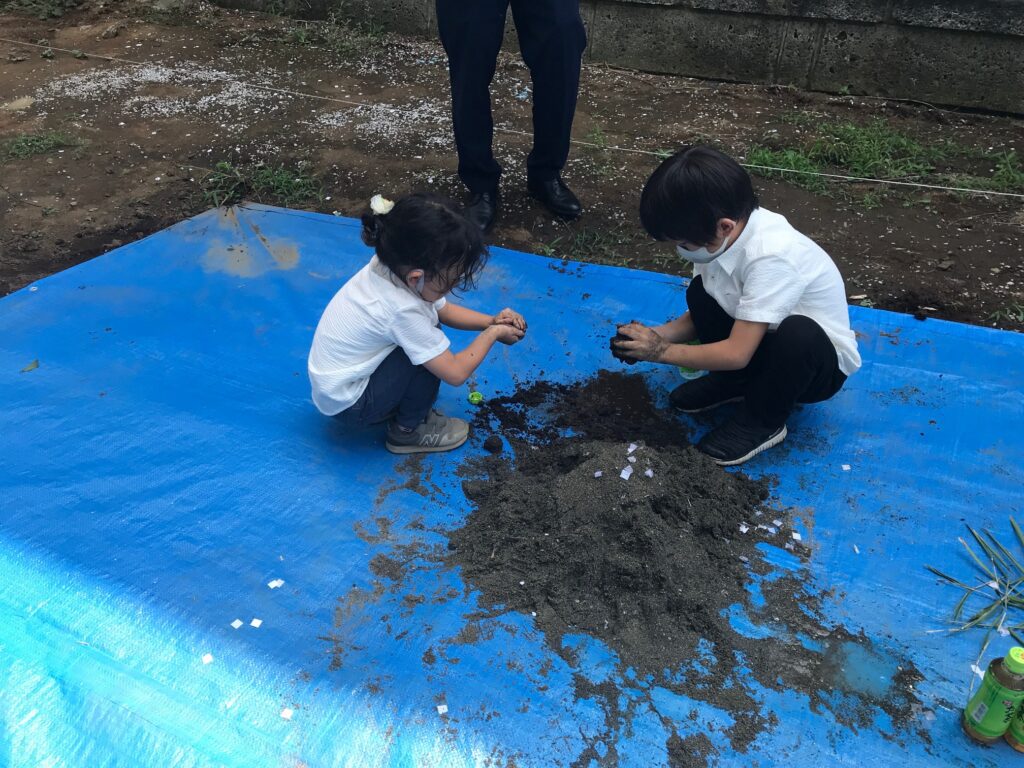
[369, 114]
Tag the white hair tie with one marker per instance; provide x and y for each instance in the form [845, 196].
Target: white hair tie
[381, 205]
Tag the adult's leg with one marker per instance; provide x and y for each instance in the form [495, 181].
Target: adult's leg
[400, 390]
[552, 39]
[795, 364]
[471, 32]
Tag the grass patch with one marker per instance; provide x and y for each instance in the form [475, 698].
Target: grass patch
[618, 247]
[1007, 176]
[228, 184]
[790, 160]
[32, 144]
[875, 150]
[1011, 313]
[341, 37]
[41, 9]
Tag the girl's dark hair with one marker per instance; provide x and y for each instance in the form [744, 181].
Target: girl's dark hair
[428, 232]
[689, 192]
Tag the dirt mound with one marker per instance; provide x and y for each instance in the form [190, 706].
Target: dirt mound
[655, 550]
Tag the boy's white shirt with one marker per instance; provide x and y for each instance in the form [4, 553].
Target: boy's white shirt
[773, 271]
[372, 314]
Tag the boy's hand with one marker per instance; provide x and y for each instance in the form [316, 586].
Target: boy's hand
[510, 317]
[506, 334]
[642, 343]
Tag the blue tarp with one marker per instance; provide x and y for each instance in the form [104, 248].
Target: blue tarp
[163, 464]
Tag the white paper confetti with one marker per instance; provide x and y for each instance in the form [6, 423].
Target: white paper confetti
[598, 473]
[287, 713]
[442, 709]
[846, 467]
[522, 583]
[978, 670]
[856, 549]
[632, 459]
[626, 473]
[744, 528]
[256, 623]
[275, 583]
[649, 472]
[771, 530]
[632, 447]
[777, 523]
[797, 536]
[207, 658]
[994, 586]
[236, 623]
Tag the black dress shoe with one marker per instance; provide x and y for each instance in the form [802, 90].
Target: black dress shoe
[556, 197]
[482, 209]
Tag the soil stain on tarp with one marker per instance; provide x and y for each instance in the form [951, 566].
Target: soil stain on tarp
[667, 567]
[607, 522]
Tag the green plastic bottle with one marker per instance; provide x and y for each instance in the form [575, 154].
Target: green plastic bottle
[989, 712]
[1015, 734]
[691, 373]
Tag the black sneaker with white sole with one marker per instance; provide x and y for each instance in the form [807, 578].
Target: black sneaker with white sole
[737, 441]
[438, 433]
[707, 392]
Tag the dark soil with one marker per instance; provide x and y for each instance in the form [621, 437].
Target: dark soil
[649, 564]
[139, 158]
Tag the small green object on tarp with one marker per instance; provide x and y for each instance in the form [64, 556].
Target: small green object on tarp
[476, 398]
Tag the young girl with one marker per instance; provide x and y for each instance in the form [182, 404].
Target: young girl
[379, 353]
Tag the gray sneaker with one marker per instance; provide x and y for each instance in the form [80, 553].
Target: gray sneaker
[437, 434]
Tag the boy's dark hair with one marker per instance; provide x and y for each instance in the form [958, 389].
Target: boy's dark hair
[689, 192]
[428, 232]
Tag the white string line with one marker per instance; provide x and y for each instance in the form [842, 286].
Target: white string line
[516, 132]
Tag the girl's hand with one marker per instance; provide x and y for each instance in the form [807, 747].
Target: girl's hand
[510, 317]
[642, 342]
[506, 333]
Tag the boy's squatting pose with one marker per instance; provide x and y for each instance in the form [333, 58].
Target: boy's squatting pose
[766, 303]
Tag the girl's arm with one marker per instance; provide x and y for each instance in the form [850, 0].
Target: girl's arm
[678, 331]
[465, 319]
[455, 369]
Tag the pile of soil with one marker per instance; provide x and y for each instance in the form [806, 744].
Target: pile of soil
[652, 562]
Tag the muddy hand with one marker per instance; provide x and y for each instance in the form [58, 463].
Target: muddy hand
[510, 317]
[638, 342]
[507, 334]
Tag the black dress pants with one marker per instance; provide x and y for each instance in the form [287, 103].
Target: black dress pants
[796, 363]
[552, 39]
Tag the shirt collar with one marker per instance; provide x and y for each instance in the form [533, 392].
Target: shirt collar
[727, 261]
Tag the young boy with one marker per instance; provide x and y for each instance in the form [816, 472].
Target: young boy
[766, 303]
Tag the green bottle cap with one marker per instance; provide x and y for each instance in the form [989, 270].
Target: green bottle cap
[476, 398]
[1014, 660]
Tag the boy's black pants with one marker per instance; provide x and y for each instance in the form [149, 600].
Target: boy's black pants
[796, 363]
[552, 39]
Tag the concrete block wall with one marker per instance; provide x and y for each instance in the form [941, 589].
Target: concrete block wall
[954, 52]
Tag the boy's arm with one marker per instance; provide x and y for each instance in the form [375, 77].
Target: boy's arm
[455, 369]
[732, 354]
[678, 331]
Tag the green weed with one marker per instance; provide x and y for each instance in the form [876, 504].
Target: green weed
[32, 144]
[41, 9]
[228, 184]
[797, 161]
[1011, 313]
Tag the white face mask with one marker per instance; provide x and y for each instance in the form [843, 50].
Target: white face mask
[702, 255]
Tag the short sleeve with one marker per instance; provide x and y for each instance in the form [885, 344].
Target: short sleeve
[420, 339]
[770, 292]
